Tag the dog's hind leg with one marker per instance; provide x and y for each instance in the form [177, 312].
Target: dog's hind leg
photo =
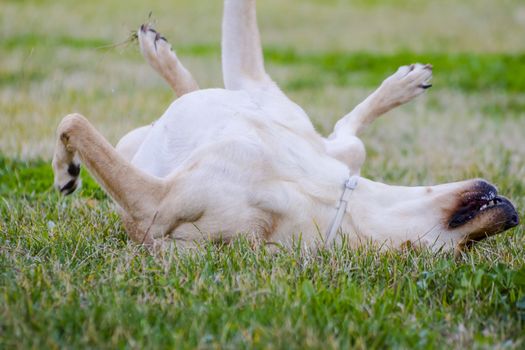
[242, 56]
[157, 51]
[404, 85]
[137, 193]
[150, 207]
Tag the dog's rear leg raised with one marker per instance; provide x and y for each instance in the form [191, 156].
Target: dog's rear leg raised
[151, 208]
[138, 194]
[157, 51]
[404, 85]
[242, 57]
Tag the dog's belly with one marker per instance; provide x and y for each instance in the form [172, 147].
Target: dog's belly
[260, 172]
[208, 117]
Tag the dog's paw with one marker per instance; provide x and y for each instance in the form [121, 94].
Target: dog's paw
[155, 48]
[67, 176]
[407, 83]
[415, 76]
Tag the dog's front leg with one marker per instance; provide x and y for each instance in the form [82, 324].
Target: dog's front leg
[404, 85]
[158, 53]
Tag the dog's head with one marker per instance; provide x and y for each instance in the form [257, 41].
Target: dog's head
[448, 216]
[479, 212]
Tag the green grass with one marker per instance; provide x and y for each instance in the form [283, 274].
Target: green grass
[69, 276]
[464, 71]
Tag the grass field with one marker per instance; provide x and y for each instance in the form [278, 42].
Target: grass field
[69, 277]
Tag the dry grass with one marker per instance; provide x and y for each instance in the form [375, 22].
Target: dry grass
[46, 74]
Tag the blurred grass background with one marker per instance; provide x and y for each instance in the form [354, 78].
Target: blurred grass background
[70, 278]
[57, 57]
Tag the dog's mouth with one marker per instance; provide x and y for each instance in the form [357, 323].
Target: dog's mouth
[483, 213]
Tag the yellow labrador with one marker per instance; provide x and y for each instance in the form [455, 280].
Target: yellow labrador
[246, 160]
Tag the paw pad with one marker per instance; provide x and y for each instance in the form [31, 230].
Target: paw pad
[73, 169]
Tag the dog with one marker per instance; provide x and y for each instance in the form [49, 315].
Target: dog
[246, 161]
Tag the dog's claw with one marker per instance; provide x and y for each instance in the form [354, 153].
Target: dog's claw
[144, 28]
[425, 86]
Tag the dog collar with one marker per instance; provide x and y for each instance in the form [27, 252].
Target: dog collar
[350, 186]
